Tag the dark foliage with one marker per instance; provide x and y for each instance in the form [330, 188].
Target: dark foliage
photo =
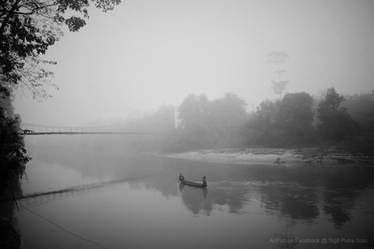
[335, 123]
[29, 27]
[284, 122]
[13, 157]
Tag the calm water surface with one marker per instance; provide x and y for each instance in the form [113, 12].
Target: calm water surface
[245, 206]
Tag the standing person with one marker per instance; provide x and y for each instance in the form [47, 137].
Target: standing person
[204, 181]
[181, 178]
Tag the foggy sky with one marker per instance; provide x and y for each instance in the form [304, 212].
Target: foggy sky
[150, 53]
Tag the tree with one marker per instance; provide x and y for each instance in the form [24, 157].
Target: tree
[194, 112]
[335, 123]
[205, 122]
[28, 28]
[227, 112]
[361, 109]
[296, 117]
[264, 124]
[278, 61]
[283, 122]
[227, 118]
[194, 126]
[12, 152]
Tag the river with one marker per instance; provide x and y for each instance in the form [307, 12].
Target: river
[118, 196]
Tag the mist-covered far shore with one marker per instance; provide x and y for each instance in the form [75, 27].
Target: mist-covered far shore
[285, 157]
[332, 122]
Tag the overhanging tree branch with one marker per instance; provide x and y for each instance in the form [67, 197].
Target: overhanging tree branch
[29, 27]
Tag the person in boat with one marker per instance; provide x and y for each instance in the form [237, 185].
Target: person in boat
[181, 178]
[204, 181]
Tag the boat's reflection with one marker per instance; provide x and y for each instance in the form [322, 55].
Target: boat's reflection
[195, 199]
[203, 190]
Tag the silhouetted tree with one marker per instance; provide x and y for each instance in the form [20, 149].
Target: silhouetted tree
[264, 124]
[361, 109]
[28, 28]
[283, 122]
[194, 112]
[335, 123]
[296, 117]
[227, 117]
[12, 152]
[194, 125]
[205, 122]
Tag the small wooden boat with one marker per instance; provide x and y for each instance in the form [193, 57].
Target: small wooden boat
[194, 184]
[202, 184]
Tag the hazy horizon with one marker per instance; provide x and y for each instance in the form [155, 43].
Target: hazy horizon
[146, 54]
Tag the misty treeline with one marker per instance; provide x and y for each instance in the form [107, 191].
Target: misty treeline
[295, 120]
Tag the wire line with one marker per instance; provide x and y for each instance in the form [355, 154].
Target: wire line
[63, 228]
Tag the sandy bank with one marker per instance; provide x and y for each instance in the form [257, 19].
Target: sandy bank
[277, 156]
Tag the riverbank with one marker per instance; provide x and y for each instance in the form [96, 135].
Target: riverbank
[277, 156]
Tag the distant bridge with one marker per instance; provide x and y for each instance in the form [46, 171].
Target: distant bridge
[76, 133]
[40, 129]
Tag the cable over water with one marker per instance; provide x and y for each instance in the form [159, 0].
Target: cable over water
[63, 228]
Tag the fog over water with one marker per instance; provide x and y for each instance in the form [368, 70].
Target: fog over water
[244, 206]
[187, 124]
[150, 53]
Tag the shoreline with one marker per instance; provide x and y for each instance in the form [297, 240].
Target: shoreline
[276, 157]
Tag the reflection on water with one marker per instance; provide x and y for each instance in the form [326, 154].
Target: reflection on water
[195, 199]
[243, 206]
[294, 201]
